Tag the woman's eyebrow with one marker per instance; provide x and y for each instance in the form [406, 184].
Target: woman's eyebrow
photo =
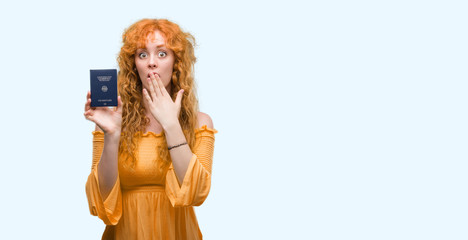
[159, 46]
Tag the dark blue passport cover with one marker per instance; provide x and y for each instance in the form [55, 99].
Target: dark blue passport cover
[103, 87]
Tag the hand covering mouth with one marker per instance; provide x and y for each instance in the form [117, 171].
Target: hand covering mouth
[155, 73]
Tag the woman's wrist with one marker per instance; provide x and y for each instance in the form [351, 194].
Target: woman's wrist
[112, 135]
[171, 126]
[178, 145]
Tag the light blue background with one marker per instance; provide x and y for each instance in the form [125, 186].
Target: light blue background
[336, 119]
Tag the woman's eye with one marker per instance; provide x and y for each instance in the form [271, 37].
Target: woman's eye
[142, 55]
[162, 54]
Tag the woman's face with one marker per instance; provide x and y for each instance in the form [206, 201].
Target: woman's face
[155, 58]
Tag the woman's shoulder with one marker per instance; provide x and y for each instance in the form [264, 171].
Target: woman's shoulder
[205, 125]
[204, 119]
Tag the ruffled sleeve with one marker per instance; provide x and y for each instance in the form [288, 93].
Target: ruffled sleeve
[197, 181]
[109, 209]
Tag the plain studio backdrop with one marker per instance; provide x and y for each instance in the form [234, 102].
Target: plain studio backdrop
[336, 119]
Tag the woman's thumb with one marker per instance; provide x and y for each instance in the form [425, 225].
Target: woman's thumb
[180, 94]
[119, 103]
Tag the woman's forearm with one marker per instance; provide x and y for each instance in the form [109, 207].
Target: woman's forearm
[180, 155]
[108, 165]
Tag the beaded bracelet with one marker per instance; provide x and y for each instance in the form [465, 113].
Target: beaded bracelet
[176, 146]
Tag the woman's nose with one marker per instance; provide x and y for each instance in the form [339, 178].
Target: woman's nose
[152, 62]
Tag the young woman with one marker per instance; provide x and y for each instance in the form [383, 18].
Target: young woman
[152, 154]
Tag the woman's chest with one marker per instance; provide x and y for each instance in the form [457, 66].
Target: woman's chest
[149, 167]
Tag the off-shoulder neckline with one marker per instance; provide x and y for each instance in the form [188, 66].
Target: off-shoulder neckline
[150, 133]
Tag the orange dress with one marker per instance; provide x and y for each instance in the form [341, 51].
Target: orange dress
[148, 203]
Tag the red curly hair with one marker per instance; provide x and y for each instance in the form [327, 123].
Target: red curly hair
[134, 120]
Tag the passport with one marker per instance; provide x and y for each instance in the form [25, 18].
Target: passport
[103, 87]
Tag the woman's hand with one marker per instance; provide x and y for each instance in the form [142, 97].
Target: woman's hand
[108, 119]
[160, 103]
